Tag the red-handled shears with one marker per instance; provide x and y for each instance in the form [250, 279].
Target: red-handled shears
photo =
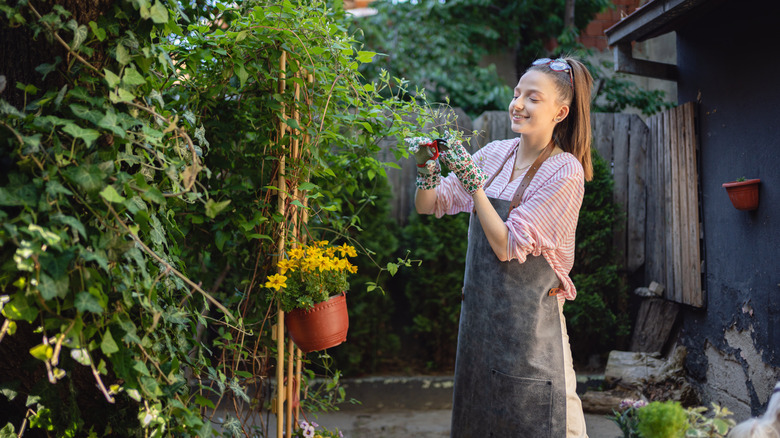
[437, 145]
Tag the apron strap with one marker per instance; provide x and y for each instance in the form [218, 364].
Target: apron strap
[518, 196]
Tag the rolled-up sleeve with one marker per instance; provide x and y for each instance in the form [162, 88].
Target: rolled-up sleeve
[451, 197]
[546, 221]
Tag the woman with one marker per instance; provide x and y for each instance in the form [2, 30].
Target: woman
[513, 372]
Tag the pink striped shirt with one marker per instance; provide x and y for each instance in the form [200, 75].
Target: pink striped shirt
[546, 220]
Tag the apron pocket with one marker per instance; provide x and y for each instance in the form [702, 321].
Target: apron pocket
[522, 407]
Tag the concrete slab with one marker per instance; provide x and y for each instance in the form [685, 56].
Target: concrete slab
[419, 406]
[425, 423]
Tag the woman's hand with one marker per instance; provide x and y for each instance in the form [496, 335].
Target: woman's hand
[425, 152]
[459, 161]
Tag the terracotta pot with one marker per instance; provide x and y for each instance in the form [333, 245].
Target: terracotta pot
[743, 194]
[323, 326]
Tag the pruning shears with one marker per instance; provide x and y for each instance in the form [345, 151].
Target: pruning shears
[438, 144]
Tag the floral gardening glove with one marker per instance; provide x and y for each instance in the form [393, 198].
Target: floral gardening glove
[459, 160]
[425, 153]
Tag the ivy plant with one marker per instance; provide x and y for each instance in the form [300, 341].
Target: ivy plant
[141, 204]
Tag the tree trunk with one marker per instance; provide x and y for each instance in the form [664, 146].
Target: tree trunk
[568, 14]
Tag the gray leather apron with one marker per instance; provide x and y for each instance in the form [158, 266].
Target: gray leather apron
[509, 372]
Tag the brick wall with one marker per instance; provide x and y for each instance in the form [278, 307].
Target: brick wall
[593, 35]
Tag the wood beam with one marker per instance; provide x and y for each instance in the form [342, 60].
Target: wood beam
[626, 63]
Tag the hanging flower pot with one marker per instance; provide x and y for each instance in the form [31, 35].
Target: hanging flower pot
[323, 326]
[743, 194]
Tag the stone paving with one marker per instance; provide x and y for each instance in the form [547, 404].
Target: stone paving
[403, 407]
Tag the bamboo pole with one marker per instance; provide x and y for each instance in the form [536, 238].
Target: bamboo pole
[281, 183]
[304, 219]
[295, 155]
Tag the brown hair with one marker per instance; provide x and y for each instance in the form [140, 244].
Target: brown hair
[573, 134]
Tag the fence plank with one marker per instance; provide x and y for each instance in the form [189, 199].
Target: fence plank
[602, 135]
[693, 260]
[654, 269]
[682, 208]
[637, 197]
[668, 208]
[620, 145]
[493, 125]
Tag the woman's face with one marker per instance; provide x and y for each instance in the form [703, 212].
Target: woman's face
[535, 105]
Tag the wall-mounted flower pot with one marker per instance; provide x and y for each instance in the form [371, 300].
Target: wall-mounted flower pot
[743, 194]
[323, 326]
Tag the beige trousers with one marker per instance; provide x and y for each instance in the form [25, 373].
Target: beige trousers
[575, 418]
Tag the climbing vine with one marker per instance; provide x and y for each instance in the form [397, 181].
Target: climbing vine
[139, 203]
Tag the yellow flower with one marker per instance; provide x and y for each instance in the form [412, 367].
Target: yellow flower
[318, 262]
[321, 243]
[276, 281]
[342, 264]
[351, 268]
[347, 250]
[285, 265]
[297, 253]
[330, 252]
[328, 264]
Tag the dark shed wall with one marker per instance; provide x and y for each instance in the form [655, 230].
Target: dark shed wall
[728, 60]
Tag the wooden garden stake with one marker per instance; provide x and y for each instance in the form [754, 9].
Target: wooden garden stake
[304, 219]
[281, 183]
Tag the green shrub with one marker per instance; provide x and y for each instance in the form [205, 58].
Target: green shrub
[597, 319]
[433, 292]
[662, 420]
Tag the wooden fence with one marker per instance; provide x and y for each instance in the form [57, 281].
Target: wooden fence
[654, 168]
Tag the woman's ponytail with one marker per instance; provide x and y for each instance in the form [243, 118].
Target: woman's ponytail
[573, 134]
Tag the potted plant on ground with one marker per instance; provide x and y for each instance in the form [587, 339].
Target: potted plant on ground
[743, 193]
[312, 285]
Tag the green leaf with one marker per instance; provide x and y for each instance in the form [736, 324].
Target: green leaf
[86, 302]
[42, 352]
[88, 177]
[141, 368]
[79, 36]
[309, 186]
[121, 95]
[241, 73]
[108, 346]
[45, 69]
[88, 135]
[9, 390]
[8, 431]
[132, 77]
[392, 268]
[111, 78]
[18, 309]
[100, 34]
[71, 222]
[51, 288]
[81, 356]
[153, 194]
[111, 195]
[203, 401]
[365, 57]
[159, 13]
[109, 121]
[122, 55]
[214, 208]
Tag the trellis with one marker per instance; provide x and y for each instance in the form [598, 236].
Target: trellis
[289, 359]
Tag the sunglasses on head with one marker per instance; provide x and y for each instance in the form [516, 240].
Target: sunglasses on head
[556, 65]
